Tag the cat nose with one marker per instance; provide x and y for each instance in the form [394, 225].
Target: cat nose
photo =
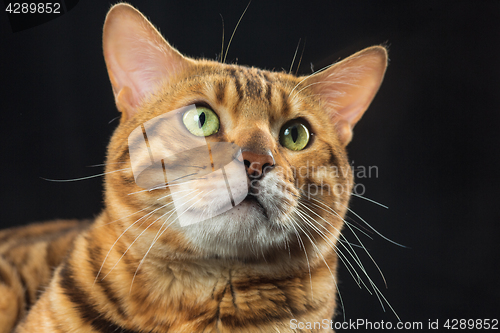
[257, 165]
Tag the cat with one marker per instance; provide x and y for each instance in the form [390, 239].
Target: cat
[208, 225]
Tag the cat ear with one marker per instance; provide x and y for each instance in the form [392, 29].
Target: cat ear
[138, 58]
[348, 87]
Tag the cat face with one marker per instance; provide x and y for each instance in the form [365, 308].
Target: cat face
[228, 161]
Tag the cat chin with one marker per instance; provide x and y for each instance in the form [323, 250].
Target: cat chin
[244, 231]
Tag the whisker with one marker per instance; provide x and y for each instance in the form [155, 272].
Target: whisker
[171, 194]
[222, 48]
[340, 254]
[377, 291]
[234, 31]
[308, 76]
[121, 218]
[109, 122]
[353, 253]
[336, 214]
[116, 241]
[321, 82]
[163, 185]
[128, 248]
[104, 164]
[293, 60]
[159, 188]
[82, 178]
[368, 199]
[305, 251]
[350, 244]
[374, 230]
[358, 261]
[300, 60]
[158, 234]
[327, 266]
[147, 216]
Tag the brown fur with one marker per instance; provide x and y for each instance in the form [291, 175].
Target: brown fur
[107, 284]
[29, 256]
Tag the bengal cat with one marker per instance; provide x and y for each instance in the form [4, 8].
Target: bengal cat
[208, 225]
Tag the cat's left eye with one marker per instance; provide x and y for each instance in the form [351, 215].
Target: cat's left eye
[201, 121]
[294, 136]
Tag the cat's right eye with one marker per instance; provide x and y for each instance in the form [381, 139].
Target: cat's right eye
[201, 121]
[294, 135]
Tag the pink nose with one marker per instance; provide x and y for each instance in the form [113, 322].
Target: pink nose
[257, 164]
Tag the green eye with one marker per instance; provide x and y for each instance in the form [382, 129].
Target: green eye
[294, 136]
[201, 122]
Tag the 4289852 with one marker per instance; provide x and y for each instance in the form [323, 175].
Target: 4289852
[476, 324]
[32, 8]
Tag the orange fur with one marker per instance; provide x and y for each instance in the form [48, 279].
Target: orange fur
[254, 269]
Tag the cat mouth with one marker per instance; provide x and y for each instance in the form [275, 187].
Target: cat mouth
[252, 200]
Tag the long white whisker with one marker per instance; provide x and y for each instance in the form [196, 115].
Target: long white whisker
[327, 266]
[375, 230]
[128, 248]
[121, 218]
[116, 241]
[171, 194]
[353, 253]
[158, 234]
[82, 178]
[162, 186]
[368, 199]
[104, 164]
[340, 254]
[377, 291]
[170, 183]
[305, 250]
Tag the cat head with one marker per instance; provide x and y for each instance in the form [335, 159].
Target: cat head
[222, 160]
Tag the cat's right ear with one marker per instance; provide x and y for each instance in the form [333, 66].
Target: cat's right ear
[138, 58]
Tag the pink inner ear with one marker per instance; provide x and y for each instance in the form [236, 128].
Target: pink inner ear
[136, 55]
[348, 87]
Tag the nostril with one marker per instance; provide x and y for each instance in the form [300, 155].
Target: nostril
[266, 167]
[257, 164]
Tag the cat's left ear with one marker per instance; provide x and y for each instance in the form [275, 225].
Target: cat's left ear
[348, 87]
[138, 58]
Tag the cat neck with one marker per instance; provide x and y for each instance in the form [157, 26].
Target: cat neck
[155, 293]
[133, 246]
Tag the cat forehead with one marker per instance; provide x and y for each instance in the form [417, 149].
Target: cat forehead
[244, 88]
[250, 81]
[256, 94]
[243, 70]
[238, 94]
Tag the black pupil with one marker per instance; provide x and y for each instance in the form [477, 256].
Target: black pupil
[295, 133]
[201, 119]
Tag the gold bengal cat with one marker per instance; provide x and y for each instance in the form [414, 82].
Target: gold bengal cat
[207, 225]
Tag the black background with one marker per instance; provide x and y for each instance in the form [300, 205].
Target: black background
[432, 130]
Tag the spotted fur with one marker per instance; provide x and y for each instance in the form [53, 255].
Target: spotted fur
[254, 267]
